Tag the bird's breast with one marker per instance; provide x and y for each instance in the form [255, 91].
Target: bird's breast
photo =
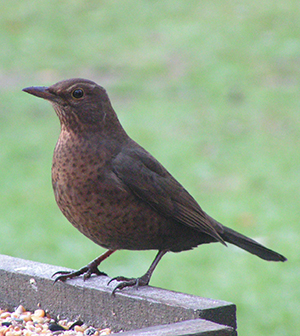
[85, 188]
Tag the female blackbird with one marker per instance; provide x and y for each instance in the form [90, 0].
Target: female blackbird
[117, 194]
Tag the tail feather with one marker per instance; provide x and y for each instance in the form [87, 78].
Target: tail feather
[250, 245]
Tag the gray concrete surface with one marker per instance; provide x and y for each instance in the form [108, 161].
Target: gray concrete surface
[160, 312]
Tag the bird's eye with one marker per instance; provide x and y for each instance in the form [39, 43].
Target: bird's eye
[78, 93]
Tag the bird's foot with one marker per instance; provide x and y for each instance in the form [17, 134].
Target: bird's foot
[129, 282]
[87, 271]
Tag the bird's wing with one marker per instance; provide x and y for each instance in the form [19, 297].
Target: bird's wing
[152, 183]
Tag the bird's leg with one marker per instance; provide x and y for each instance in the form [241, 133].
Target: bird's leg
[143, 280]
[88, 270]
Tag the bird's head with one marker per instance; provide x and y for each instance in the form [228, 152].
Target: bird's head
[79, 103]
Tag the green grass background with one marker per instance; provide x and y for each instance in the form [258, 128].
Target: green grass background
[211, 89]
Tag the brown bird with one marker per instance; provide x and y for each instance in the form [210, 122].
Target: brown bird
[118, 195]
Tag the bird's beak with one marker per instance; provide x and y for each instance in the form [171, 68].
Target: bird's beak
[41, 91]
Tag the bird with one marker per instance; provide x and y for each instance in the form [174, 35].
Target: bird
[116, 193]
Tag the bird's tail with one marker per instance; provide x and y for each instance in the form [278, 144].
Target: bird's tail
[250, 245]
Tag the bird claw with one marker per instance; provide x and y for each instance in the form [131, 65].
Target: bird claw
[87, 271]
[129, 282]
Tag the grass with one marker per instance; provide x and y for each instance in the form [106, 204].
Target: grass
[211, 89]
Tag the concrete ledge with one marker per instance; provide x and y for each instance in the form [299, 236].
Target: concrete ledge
[153, 310]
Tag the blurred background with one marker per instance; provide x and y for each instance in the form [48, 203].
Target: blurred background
[211, 89]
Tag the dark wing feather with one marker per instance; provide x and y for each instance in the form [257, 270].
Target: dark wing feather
[152, 183]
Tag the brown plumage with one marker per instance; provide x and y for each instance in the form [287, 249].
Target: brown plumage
[117, 194]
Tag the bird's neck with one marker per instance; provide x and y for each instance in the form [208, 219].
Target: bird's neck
[91, 139]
